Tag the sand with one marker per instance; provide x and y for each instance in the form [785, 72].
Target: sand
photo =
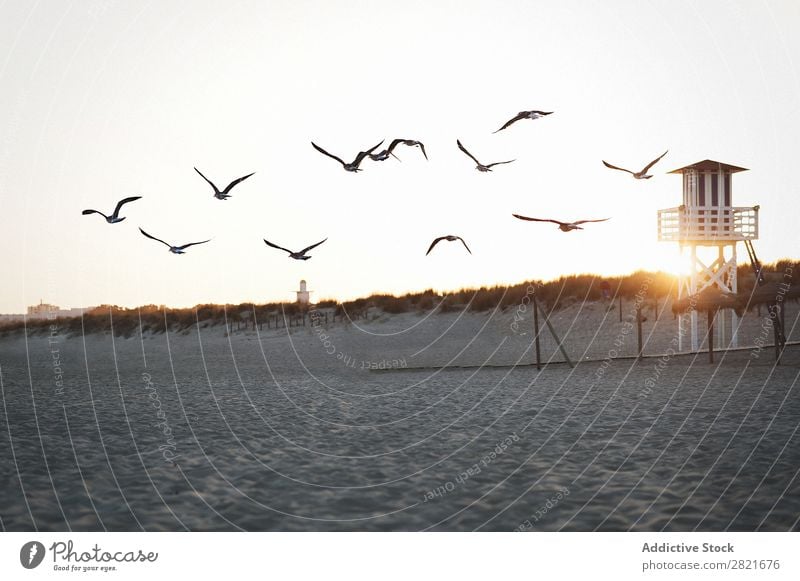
[373, 426]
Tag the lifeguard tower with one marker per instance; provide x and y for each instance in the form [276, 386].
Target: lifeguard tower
[303, 295]
[708, 220]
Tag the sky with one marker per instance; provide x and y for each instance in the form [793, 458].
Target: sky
[104, 100]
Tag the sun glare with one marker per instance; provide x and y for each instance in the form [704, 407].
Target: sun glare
[676, 263]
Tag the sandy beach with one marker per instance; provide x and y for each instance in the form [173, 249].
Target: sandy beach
[375, 425]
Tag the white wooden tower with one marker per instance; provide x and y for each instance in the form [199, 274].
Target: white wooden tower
[303, 295]
[707, 218]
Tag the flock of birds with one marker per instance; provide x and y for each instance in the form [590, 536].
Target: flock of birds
[383, 155]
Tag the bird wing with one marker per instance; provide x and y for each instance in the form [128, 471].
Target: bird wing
[464, 149]
[154, 238]
[464, 243]
[585, 221]
[655, 161]
[434, 243]
[500, 162]
[608, 165]
[216, 189]
[268, 243]
[362, 154]
[122, 203]
[410, 143]
[185, 246]
[322, 151]
[87, 212]
[374, 147]
[395, 143]
[517, 117]
[236, 181]
[536, 219]
[304, 250]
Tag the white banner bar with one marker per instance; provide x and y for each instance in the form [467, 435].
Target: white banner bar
[401, 556]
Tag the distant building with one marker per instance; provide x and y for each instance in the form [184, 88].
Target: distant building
[47, 311]
[76, 312]
[303, 295]
[42, 310]
[11, 318]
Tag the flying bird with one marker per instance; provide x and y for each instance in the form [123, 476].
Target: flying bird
[449, 238]
[352, 166]
[224, 194]
[296, 255]
[524, 115]
[639, 175]
[480, 166]
[113, 218]
[384, 155]
[563, 226]
[173, 249]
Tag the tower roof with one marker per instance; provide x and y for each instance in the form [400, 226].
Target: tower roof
[710, 165]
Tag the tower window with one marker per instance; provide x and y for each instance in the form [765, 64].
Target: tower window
[714, 189]
[701, 190]
[727, 192]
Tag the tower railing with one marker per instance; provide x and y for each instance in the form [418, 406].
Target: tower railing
[708, 223]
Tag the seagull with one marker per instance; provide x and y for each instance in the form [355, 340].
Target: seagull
[563, 226]
[353, 166]
[524, 115]
[449, 238]
[173, 249]
[223, 195]
[113, 218]
[640, 175]
[480, 166]
[384, 155]
[296, 255]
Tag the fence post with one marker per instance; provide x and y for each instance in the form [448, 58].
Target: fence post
[536, 332]
[710, 335]
[558, 340]
[639, 328]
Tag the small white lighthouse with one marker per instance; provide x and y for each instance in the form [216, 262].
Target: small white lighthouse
[303, 295]
[708, 218]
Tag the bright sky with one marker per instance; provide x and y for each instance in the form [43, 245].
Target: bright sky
[103, 100]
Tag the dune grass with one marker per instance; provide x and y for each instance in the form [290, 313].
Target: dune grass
[552, 295]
